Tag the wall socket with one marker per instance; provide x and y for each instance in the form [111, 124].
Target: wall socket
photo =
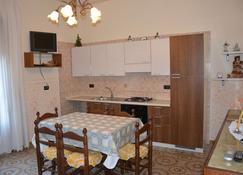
[91, 85]
[166, 86]
[46, 87]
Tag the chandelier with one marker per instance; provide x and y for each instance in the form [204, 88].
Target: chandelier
[70, 9]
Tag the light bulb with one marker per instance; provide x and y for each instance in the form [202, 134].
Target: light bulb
[72, 21]
[53, 16]
[67, 11]
[95, 14]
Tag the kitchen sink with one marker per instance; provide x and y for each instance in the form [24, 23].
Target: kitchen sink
[101, 98]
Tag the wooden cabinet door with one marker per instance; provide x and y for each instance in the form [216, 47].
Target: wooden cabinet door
[95, 108]
[160, 56]
[81, 61]
[187, 90]
[187, 55]
[187, 111]
[161, 123]
[103, 108]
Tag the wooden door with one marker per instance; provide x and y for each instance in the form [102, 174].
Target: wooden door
[187, 90]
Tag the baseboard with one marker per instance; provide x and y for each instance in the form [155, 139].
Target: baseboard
[166, 145]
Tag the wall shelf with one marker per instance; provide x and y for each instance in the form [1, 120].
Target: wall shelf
[228, 54]
[29, 60]
[226, 79]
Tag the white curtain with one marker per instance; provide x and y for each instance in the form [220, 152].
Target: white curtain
[13, 124]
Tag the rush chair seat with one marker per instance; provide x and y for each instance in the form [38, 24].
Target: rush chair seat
[128, 151]
[81, 160]
[76, 160]
[50, 153]
[133, 156]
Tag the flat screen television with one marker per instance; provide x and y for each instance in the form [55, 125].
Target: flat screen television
[43, 42]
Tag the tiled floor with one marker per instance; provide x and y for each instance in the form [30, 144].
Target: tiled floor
[165, 162]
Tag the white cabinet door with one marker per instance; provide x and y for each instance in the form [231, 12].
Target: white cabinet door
[160, 55]
[81, 61]
[115, 59]
[99, 66]
[137, 52]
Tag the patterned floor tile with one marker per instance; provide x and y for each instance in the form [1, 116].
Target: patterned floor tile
[165, 162]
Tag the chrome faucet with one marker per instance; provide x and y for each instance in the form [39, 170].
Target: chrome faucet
[112, 96]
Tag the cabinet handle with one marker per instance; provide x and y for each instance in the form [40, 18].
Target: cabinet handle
[175, 74]
[176, 77]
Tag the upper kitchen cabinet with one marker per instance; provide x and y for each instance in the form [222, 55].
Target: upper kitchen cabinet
[81, 61]
[99, 65]
[188, 61]
[160, 56]
[137, 56]
[115, 59]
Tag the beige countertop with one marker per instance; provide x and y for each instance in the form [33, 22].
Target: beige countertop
[119, 100]
[226, 142]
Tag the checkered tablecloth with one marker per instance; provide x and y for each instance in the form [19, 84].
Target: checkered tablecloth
[106, 133]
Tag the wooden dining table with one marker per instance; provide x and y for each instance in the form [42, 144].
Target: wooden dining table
[106, 133]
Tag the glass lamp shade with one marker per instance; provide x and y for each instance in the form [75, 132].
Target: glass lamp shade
[72, 21]
[54, 16]
[67, 11]
[95, 15]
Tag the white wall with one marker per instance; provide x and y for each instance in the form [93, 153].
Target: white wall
[121, 18]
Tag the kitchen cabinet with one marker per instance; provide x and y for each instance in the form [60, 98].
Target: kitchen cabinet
[137, 56]
[103, 108]
[81, 61]
[115, 59]
[161, 123]
[187, 90]
[160, 56]
[99, 60]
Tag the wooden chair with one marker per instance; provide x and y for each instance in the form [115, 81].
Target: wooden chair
[81, 160]
[51, 145]
[131, 155]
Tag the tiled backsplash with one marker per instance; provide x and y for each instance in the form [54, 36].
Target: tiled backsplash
[132, 84]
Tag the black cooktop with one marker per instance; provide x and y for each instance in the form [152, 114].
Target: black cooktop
[138, 99]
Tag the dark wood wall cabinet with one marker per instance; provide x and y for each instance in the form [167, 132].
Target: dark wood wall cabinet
[55, 61]
[161, 123]
[187, 90]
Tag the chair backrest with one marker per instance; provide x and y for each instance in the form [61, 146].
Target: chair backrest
[44, 130]
[146, 128]
[72, 136]
[143, 136]
[38, 141]
[46, 116]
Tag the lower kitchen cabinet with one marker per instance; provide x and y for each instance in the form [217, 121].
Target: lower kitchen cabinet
[103, 108]
[161, 123]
